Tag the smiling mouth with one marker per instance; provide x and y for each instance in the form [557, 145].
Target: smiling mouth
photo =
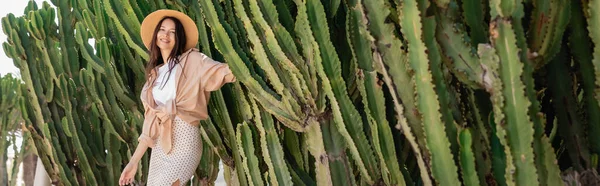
[164, 41]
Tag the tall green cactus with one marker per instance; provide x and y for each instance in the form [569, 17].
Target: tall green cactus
[354, 92]
[518, 125]
[593, 23]
[443, 168]
[10, 127]
[581, 50]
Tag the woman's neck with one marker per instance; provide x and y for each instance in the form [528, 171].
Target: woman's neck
[165, 55]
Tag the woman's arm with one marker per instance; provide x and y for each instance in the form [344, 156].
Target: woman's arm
[140, 150]
[128, 173]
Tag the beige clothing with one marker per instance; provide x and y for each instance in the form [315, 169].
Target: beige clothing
[183, 160]
[197, 76]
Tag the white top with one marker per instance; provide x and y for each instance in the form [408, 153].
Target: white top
[162, 91]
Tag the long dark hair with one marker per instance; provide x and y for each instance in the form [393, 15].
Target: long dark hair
[156, 57]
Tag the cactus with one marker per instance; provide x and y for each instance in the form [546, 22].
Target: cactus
[10, 127]
[569, 123]
[442, 166]
[581, 49]
[244, 141]
[518, 124]
[593, 22]
[353, 92]
[467, 159]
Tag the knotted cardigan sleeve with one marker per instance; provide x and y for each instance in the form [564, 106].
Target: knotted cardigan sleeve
[149, 131]
[214, 74]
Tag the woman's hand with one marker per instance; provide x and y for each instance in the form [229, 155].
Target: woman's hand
[129, 170]
[128, 173]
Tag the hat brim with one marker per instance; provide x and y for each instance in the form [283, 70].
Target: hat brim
[152, 20]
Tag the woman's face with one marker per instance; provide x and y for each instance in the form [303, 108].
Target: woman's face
[165, 38]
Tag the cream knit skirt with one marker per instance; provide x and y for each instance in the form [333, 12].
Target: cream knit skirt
[183, 160]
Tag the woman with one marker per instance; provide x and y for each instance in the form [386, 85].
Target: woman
[179, 80]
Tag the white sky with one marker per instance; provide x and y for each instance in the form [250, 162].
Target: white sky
[17, 8]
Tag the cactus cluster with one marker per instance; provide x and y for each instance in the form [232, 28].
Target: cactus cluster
[10, 129]
[353, 92]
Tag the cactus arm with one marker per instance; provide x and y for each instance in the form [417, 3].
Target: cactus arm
[236, 26]
[211, 135]
[372, 94]
[221, 113]
[250, 162]
[549, 21]
[441, 88]
[534, 108]
[565, 105]
[551, 163]
[137, 66]
[90, 23]
[464, 64]
[94, 61]
[582, 51]
[443, 168]
[292, 142]
[47, 66]
[501, 154]
[297, 79]
[67, 88]
[545, 171]
[223, 43]
[350, 125]
[302, 30]
[110, 161]
[285, 15]
[314, 137]
[67, 44]
[233, 36]
[474, 17]
[467, 158]
[593, 25]
[272, 150]
[137, 10]
[261, 57]
[99, 101]
[389, 50]
[126, 11]
[382, 143]
[133, 42]
[481, 137]
[341, 171]
[316, 147]
[312, 53]
[114, 77]
[271, 15]
[202, 32]
[300, 177]
[259, 51]
[518, 123]
[100, 21]
[561, 21]
[208, 169]
[400, 72]
[42, 144]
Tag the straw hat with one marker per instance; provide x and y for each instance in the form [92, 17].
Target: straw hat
[152, 19]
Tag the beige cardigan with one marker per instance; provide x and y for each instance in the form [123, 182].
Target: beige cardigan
[197, 77]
